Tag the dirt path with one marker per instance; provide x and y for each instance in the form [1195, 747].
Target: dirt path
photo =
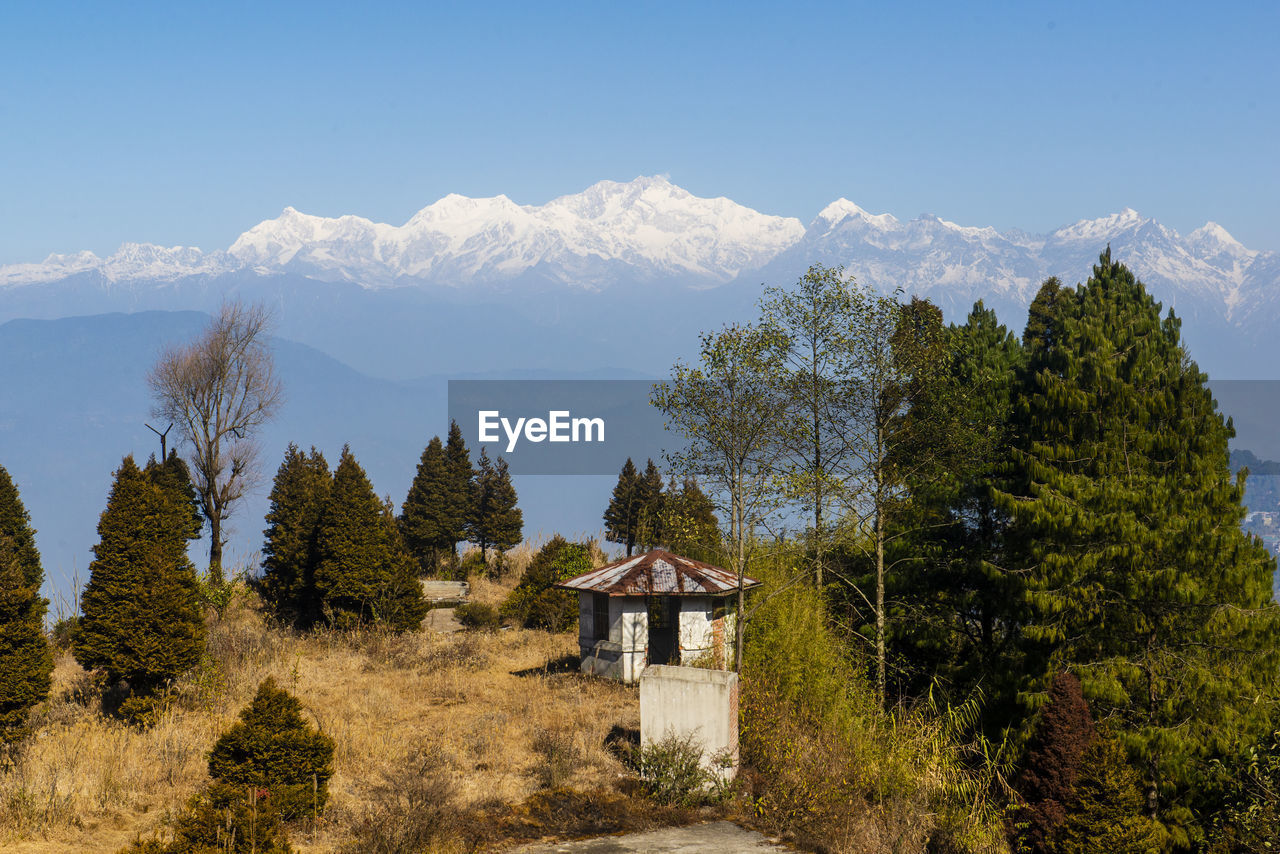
[720, 836]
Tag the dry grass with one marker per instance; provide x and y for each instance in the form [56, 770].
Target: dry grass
[506, 724]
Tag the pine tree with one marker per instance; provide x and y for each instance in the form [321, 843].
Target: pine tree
[456, 504]
[960, 605]
[1064, 731]
[25, 659]
[141, 622]
[1139, 576]
[496, 519]
[1106, 811]
[361, 572]
[402, 606]
[273, 748]
[298, 496]
[427, 516]
[15, 523]
[174, 478]
[649, 496]
[622, 516]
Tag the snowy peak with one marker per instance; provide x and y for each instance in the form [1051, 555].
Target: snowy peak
[843, 211]
[1104, 228]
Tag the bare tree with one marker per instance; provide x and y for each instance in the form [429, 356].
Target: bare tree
[219, 389]
[729, 408]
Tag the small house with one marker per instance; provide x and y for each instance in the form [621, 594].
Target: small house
[654, 608]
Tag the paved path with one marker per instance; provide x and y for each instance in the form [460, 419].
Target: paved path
[722, 837]
[441, 620]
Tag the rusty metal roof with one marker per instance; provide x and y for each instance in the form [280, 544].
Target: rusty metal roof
[658, 573]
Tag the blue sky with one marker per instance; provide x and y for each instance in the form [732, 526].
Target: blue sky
[184, 123]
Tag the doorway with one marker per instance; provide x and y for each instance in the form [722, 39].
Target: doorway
[664, 624]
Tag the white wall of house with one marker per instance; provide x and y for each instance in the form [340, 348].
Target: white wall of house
[624, 653]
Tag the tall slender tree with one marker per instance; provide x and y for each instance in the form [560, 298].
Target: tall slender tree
[622, 516]
[363, 573]
[496, 519]
[957, 589]
[1139, 576]
[290, 549]
[220, 389]
[458, 489]
[729, 408]
[427, 516]
[650, 497]
[815, 317]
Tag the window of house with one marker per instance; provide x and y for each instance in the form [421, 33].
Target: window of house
[600, 616]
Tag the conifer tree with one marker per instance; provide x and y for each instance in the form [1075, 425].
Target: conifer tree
[1139, 576]
[15, 523]
[496, 519]
[1106, 810]
[427, 516]
[649, 496]
[1064, 731]
[961, 603]
[458, 489]
[141, 622]
[298, 496]
[402, 606]
[622, 516]
[25, 658]
[174, 479]
[361, 572]
[273, 747]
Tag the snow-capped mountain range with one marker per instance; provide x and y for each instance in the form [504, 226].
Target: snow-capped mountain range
[651, 229]
[634, 250]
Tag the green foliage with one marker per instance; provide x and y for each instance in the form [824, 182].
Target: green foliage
[622, 516]
[15, 525]
[222, 820]
[673, 772]
[650, 501]
[958, 606]
[291, 549]
[273, 748]
[535, 603]
[688, 522]
[26, 661]
[1138, 575]
[141, 621]
[458, 487]
[495, 519]
[478, 615]
[1105, 815]
[1248, 819]
[364, 573]
[427, 517]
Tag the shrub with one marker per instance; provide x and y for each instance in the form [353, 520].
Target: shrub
[673, 772]
[272, 748]
[478, 615]
[1062, 734]
[411, 809]
[222, 819]
[535, 603]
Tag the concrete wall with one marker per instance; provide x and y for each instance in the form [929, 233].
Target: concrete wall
[623, 655]
[692, 702]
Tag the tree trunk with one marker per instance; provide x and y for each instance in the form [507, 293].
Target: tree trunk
[880, 647]
[740, 560]
[215, 549]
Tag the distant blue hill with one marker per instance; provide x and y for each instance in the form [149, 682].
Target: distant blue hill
[75, 401]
